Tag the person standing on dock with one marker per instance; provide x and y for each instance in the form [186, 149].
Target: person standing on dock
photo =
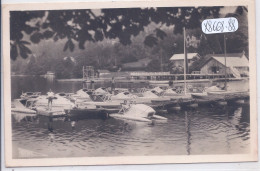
[50, 97]
[113, 85]
[170, 83]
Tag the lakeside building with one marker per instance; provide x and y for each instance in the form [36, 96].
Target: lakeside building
[237, 64]
[212, 66]
[178, 59]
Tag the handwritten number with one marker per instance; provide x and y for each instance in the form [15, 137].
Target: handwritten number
[216, 26]
[231, 25]
[219, 25]
[208, 27]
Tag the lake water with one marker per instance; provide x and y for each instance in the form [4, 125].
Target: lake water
[205, 130]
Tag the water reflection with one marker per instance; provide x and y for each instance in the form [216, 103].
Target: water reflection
[200, 131]
[187, 126]
[17, 117]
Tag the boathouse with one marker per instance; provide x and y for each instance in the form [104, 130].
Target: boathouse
[237, 64]
[178, 59]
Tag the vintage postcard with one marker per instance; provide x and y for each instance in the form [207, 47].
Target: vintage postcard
[142, 82]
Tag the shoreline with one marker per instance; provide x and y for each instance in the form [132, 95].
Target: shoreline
[151, 81]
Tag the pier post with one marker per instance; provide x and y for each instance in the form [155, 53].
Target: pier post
[185, 65]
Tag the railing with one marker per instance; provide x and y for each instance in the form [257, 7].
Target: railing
[149, 73]
[159, 76]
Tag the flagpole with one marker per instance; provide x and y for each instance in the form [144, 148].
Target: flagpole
[185, 60]
[161, 59]
[225, 53]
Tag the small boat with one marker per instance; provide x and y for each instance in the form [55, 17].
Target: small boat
[170, 92]
[60, 102]
[81, 95]
[28, 95]
[101, 91]
[158, 90]
[19, 108]
[123, 96]
[205, 93]
[149, 97]
[101, 101]
[229, 94]
[137, 112]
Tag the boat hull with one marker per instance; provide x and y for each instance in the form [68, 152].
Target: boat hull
[52, 112]
[199, 96]
[229, 94]
[23, 111]
[124, 117]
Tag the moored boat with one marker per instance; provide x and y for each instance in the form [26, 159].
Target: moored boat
[229, 94]
[149, 97]
[137, 112]
[54, 108]
[19, 108]
[57, 102]
[28, 95]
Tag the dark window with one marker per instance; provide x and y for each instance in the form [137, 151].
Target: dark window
[215, 69]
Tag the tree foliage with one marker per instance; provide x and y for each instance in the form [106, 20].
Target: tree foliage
[153, 66]
[89, 25]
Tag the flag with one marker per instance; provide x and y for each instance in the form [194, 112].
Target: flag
[192, 41]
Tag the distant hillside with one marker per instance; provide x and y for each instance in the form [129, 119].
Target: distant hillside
[48, 55]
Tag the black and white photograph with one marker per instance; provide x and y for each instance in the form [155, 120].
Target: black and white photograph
[122, 82]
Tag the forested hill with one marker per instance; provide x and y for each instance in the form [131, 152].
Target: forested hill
[110, 54]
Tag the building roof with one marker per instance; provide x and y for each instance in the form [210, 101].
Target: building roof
[232, 60]
[181, 56]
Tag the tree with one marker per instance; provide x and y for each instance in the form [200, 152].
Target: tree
[84, 25]
[153, 66]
